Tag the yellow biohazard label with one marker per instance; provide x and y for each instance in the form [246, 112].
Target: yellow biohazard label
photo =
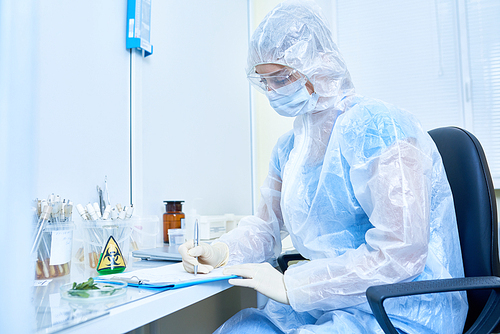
[111, 257]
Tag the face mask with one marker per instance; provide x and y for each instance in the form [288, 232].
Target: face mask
[293, 99]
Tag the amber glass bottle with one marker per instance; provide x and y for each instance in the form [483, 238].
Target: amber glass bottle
[173, 218]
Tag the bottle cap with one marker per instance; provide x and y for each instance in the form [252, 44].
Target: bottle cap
[173, 205]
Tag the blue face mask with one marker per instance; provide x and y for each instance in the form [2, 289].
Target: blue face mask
[293, 99]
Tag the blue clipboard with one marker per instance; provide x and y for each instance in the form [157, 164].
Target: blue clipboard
[168, 286]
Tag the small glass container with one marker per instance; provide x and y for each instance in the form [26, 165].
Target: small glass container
[173, 218]
[54, 251]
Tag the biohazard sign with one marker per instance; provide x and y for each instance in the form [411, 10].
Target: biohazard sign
[111, 260]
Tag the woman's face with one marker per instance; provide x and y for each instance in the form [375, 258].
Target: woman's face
[284, 72]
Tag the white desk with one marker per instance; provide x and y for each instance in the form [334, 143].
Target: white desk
[137, 308]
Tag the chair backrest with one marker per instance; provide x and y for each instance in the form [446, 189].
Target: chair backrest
[475, 206]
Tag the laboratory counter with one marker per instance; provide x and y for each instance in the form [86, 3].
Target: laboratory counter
[138, 310]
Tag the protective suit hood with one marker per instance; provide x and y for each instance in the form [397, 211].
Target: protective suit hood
[296, 34]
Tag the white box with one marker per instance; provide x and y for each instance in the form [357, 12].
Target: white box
[211, 227]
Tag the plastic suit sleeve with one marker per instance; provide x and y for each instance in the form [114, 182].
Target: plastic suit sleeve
[258, 238]
[394, 191]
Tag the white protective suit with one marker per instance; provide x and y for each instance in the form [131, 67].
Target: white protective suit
[361, 189]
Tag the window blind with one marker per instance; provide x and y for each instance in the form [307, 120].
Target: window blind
[483, 28]
[439, 59]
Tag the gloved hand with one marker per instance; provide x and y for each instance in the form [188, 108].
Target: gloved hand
[262, 277]
[209, 256]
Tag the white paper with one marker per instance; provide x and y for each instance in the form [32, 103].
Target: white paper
[60, 248]
[171, 273]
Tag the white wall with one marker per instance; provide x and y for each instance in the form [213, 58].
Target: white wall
[83, 98]
[192, 101]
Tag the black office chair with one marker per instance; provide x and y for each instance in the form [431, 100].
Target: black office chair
[475, 206]
[476, 211]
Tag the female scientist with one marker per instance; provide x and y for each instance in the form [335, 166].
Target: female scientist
[357, 184]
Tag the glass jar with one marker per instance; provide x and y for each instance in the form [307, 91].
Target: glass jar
[173, 218]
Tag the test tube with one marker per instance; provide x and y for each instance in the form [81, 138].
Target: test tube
[114, 214]
[106, 213]
[130, 211]
[91, 211]
[44, 218]
[42, 266]
[122, 214]
[97, 210]
[81, 211]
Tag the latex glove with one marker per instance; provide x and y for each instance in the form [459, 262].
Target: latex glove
[262, 277]
[209, 256]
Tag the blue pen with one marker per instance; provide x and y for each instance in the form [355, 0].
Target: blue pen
[196, 241]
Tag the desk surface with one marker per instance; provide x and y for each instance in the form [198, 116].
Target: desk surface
[125, 313]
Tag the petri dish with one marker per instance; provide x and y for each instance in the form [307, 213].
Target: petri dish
[106, 290]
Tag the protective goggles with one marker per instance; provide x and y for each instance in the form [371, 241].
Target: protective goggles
[275, 80]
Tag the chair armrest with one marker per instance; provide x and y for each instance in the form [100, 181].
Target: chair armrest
[486, 321]
[283, 260]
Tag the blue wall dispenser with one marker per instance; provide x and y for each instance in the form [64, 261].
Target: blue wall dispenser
[139, 26]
